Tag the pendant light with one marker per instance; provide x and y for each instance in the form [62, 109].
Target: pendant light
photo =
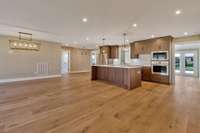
[24, 42]
[124, 35]
[122, 50]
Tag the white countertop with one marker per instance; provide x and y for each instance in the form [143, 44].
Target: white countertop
[119, 66]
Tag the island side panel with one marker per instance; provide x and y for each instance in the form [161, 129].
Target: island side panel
[135, 77]
[94, 73]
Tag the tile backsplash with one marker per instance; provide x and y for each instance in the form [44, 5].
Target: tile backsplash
[143, 60]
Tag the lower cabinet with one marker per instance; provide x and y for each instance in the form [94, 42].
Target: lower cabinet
[160, 78]
[146, 73]
[148, 76]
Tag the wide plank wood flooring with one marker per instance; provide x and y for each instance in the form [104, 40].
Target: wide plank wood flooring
[75, 104]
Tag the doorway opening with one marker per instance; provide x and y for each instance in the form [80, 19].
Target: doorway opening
[94, 57]
[65, 62]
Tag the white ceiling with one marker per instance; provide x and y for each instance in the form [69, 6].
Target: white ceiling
[61, 20]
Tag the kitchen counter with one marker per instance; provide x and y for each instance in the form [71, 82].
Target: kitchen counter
[128, 77]
[119, 66]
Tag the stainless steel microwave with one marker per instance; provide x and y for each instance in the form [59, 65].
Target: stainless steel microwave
[159, 55]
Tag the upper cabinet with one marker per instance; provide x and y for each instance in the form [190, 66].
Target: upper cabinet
[138, 48]
[105, 50]
[112, 52]
[161, 44]
[147, 46]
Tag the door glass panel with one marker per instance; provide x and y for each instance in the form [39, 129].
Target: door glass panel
[94, 57]
[65, 62]
[189, 63]
[177, 63]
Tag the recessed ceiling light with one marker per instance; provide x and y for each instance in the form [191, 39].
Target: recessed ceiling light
[84, 20]
[87, 39]
[134, 25]
[152, 36]
[185, 33]
[178, 12]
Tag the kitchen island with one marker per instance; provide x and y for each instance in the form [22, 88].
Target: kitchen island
[128, 77]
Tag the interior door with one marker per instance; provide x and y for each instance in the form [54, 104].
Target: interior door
[65, 62]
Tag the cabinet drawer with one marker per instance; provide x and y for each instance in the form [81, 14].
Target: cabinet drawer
[160, 78]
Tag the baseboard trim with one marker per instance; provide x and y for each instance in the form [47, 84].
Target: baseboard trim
[85, 71]
[28, 78]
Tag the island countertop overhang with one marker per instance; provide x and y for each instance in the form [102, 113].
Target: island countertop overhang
[119, 66]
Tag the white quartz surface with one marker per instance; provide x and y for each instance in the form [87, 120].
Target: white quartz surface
[119, 66]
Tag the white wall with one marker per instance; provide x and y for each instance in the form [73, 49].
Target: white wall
[22, 63]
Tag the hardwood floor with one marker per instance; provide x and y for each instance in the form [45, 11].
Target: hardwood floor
[74, 104]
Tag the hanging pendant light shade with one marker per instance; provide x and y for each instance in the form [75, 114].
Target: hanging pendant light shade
[124, 35]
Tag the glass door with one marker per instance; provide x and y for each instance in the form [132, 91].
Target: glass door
[186, 63]
[189, 63]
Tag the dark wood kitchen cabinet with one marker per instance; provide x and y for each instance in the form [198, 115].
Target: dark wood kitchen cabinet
[114, 52]
[105, 50]
[138, 48]
[146, 73]
[134, 51]
[104, 54]
[160, 78]
[147, 46]
[161, 44]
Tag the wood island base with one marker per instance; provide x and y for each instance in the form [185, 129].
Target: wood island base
[123, 76]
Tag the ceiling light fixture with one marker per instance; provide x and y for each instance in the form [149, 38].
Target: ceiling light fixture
[84, 20]
[24, 42]
[87, 39]
[134, 25]
[178, 12]
[152, 36]
[185, 33]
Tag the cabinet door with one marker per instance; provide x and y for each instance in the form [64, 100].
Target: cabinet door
[164, 44]
[160, 78]
[140, 48]
[161, 44]
[134, 51]
[146, 73]
[114, 52]
[105, 50]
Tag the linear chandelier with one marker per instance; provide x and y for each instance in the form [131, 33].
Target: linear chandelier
[24, 42]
